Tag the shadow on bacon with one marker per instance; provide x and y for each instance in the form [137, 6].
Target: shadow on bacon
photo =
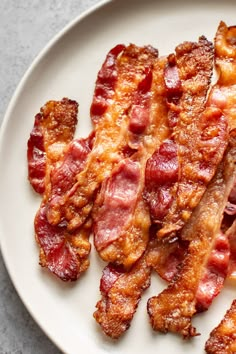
[154, 183]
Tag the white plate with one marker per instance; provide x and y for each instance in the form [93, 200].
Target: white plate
[68, 67]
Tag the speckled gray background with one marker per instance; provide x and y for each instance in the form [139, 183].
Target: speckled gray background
[25, 28]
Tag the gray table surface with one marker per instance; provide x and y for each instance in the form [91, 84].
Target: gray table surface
[25, 28]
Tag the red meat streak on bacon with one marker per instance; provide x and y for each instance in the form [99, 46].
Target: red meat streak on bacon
[65, 254]
[128, 69]
[121, 216]
[105, 84]
[172, 310]
[54, 128]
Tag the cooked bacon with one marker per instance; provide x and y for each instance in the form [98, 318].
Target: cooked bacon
[112, 214]
[105, 84]
[200, 136]
[214, 273]
[121, 214]
[172, 310]
[222, 339]
[198, 140]
[121, 292]
[161, 173]
[64, 253]
[54, 128]
[231, 232]
[111, 136]
[224, 93]
[166, 257]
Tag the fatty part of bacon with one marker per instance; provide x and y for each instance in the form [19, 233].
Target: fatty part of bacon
[63, 253]
[173, 309]
[222, 339]
[54, 128]
[129, 69]
[123, 239]
[198, 141]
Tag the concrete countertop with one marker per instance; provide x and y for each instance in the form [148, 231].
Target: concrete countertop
[25, 28]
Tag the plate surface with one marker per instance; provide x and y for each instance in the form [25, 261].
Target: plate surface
[68, 67]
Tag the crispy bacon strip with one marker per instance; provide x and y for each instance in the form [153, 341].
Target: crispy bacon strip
[64, 253]
[121, 292]
[185, 164]
[121, 214]
[130, 69]
[173, 309]
[54, 128]
[231, 233]
[222, 339]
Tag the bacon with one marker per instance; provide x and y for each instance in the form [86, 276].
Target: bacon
[111, 136]
[105, 84]
[165, 258]
[222, 339]
[120, 297]
[64, 253]
[54, 128]
[121, 235]
[121, 292]
[214, 273]
[172, 310]
[119, 202]
[199, 139]
[231, 232]
[224, 92]
[200, 135]
[160, 175]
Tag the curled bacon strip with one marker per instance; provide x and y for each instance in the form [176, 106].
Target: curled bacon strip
[64, 253]
[173, 309]
[121, 292]
[54, 128]
[222, 339]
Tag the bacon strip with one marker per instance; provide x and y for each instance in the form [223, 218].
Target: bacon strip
[64, 253]
[54, 128]
[121, 292]
[197, 144]
[121, 214]
[222, 339]
[173, 309]
[110, 139]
